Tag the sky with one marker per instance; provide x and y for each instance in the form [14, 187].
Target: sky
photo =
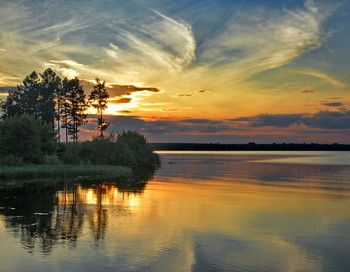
[209, 71]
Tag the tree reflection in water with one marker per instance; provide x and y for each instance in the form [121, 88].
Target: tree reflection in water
[44, 215]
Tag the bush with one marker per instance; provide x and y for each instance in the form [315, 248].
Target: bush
[11, 160]
[141, 151]
[128, 149]
[70, 155]
[51, 160]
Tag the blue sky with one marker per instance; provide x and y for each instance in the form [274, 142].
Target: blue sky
[263, 71]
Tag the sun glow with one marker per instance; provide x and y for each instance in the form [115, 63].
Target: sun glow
[113, 109]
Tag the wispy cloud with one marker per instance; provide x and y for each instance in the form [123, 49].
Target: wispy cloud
[163, 45]
[264, 39]
[7, 80]
[166, 54]
[327, 78]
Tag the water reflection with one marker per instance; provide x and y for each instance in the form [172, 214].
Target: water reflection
[45, 215]
[201, 212]
[254, 167]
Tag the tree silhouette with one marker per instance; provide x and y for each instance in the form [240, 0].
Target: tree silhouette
[35, 97]
[75, 106]
[99, 99]
[51, 87]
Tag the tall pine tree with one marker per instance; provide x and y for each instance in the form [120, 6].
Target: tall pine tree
[99, 99]
[74, 107]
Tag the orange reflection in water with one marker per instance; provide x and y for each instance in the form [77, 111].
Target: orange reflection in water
[228, 210]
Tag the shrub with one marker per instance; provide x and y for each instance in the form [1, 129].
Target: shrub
[11, 160]
[141, 151]
[70, 154]
[128, 149]
[51, 160]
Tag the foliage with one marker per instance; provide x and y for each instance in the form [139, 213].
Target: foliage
[51, 160]
[70, 154]
[141, 151]
[11, 160]
[26, 137]
[45, 96]
[30, 111]
[35, 97]
[128, 149]
[99, 99]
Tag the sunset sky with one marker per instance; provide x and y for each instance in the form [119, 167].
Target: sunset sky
[194, 71]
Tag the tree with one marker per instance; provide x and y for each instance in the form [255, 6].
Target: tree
[99, 99]
[23, 98]
[35, 97]
[50, 91]
[1, 109]
[27, 137]
[74, 107]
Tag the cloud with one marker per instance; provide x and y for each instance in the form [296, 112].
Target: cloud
[121, 100]
[117, 123]
[199, 121]
[156, 43]
[275, 120]
[67, 62]
[186, 126]
[265, 39]
[184, 95]
[124, 111]
[119, 90]
[288, 127]
[329, 120]
[323, 119]
[7, 80]
[162, 126]
[240, 119]
[307, 91]
[333, 104]
[150, 44]
[190, 94]
[327, 78]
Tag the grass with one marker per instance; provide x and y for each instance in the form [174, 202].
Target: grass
[57, 172]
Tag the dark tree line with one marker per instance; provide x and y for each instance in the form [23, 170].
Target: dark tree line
[60, 103]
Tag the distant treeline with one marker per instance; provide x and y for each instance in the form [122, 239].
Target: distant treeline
[250, 147]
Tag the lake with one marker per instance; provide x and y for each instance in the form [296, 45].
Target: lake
[201, 211]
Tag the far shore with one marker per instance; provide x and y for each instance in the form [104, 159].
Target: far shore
[249, 147]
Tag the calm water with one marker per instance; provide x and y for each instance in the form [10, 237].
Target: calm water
[202, 211]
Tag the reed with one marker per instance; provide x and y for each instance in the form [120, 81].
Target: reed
[83, 172]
